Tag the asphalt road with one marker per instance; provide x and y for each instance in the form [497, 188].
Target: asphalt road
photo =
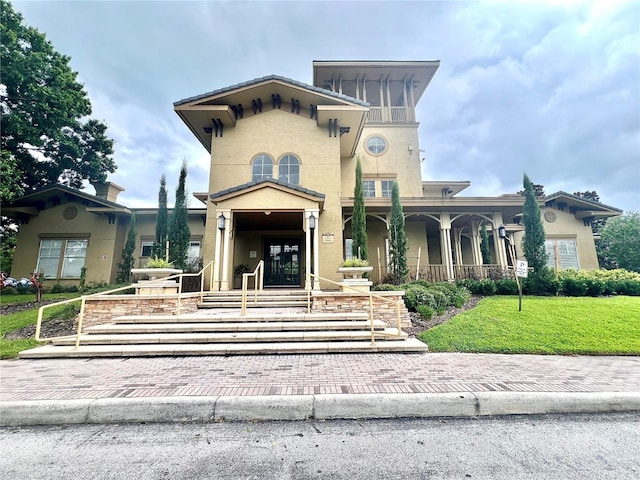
[522, 447]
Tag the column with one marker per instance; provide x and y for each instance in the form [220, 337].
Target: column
[445, 244]
[457, 245]
[307, 248]
[217, 259]
[226, 235]
[475, 243]
[312, 256]
[316, 252]
[498, 243]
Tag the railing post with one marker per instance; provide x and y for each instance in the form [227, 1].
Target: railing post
[399, 321]
[80, 320]
[243, 304]
[179, 294]
[39, 323]
[373, 335]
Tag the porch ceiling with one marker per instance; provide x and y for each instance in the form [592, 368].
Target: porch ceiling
[280, 220]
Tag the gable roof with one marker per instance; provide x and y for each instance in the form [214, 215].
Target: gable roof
[210, 114]
[32, 202]
[580, 207]
[264, 183]
[268, 78]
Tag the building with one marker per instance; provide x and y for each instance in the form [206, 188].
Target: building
[283, 158]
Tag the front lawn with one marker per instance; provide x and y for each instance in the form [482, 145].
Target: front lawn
[546, 325]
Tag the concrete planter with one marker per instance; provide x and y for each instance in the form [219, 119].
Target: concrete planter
[353, 277]
[154, 273]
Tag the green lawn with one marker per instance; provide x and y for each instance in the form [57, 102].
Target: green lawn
[546, 325]
[14, 321]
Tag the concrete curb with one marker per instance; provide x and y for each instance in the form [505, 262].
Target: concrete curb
[307, 407]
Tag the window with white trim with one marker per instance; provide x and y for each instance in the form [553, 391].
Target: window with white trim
[348, 248]
[567, 253]
[59, 258]
[262, 167]
[146, 249]
[193, 254]
[289, 170]
[369, 188]
[387, 186]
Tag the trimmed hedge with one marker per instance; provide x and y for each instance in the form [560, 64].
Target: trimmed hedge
[571, 283]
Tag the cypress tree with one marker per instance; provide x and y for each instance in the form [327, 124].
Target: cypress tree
[179, 233]
[126, 263]
[159, 246]
[398, 247]
[484, 245]
[533, 241]
[359, 219]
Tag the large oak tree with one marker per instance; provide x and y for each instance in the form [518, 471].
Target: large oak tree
[47, 136]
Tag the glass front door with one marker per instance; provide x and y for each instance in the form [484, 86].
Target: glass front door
[282, 262]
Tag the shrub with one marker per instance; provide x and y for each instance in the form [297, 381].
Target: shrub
[440, 301]
[9, 291]
[417, 295]
[57, 288]
[506, 287]
[574, 286]
[425, 311]
[542, 282]
[385, 287]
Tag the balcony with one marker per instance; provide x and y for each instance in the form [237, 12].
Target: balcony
[398, 115]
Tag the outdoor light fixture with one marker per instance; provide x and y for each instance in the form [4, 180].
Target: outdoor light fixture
[221, 221]
[312, 222]
[502, 232]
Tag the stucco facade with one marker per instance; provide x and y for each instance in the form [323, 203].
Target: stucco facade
[282, 175]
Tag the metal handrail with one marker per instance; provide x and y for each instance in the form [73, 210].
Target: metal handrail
[369, 294]
[83, 299]
[258, 284]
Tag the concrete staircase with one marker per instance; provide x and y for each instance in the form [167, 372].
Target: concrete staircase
[277, 325]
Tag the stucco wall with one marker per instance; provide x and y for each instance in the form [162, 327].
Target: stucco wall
[103, 248]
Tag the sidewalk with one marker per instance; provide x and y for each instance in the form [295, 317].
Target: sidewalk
[312, 386]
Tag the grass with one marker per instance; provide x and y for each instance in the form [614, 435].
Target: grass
[546, 325]
[14, 321]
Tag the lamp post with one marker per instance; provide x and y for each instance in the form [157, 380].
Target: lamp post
[502, 233]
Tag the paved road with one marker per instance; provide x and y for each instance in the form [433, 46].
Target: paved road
[531, 447]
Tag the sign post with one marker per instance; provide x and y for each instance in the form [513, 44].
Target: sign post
[522, 270]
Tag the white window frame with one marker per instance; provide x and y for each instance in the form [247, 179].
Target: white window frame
[147, 244]
[67, 257]
[367, 192]
[386, 192]
[265, 168]
[567, 249]
[289, 169]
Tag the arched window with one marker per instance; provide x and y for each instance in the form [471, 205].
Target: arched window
[289, 170]
[262, 168]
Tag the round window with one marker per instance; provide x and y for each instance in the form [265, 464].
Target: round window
[376, 145]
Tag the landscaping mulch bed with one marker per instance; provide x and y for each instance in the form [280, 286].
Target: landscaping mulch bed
[419, 324]
[50, 328]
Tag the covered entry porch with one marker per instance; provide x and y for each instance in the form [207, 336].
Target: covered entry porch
[265, 221]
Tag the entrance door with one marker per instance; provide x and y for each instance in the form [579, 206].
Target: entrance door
[282, 262]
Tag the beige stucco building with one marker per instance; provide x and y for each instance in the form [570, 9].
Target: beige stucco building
[283, 157]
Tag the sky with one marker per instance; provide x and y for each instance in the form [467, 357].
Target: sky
[546, 88]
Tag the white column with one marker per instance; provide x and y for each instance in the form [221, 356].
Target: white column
[307, 247]
[224, 281]
[218, 260]
[457, 240]
[445, 244]
[475, 243]
[498, 243]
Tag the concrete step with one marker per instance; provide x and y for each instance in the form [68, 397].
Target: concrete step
[184, 327]
[234, 316]
[230, 337]
[261, 304]
[411, 345]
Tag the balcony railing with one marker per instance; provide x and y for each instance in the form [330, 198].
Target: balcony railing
[375, 115]
[398, 115]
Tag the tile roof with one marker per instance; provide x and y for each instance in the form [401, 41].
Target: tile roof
[257, 81]
[244, 186]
